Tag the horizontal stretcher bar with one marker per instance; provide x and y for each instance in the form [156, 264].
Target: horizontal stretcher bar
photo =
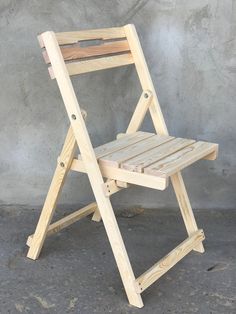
[125, 176]
[167, 262]
[68, 220]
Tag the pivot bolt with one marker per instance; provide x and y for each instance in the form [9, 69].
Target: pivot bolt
[146, 95]
[62, 164]
[73, 116]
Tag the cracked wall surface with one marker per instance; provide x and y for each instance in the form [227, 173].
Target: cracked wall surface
[190, 49]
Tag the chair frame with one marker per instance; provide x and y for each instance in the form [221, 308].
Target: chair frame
[102, 208]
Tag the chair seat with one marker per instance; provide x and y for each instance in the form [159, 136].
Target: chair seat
[156, 155]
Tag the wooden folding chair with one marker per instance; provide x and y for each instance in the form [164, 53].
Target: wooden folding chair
[135, 157]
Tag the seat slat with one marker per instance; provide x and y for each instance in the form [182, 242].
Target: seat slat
[116, 158]
[139, 162]
[181, 159]
[77, 52]
[97, 64]
[120, 143]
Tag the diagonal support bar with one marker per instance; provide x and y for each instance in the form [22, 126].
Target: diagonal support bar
[68, 220]
[185, 207]
[140, 112]
[63, 166]
[167, 262]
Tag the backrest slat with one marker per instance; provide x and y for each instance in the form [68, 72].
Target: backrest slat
[91, 50]
[103, 33]
[77, 52]
[97, 64]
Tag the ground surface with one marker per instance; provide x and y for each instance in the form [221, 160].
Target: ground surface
[76, 272]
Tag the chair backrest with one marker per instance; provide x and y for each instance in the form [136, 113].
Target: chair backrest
[72, 53]
[92, 50]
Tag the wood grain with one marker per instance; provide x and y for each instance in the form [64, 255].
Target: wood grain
[97, 64]
[91, 166]
[119, 144]
[77, 52]
[167, 262]
[181, 159]
[123, 175]
[63, 166]
[117, 158]
[68, 220]
[66, 38]
[139, 162]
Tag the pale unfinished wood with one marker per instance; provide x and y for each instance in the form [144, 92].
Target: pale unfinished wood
[97, 216]
[185, 207]
[118, 178]
[139, 162]
[167, 262]
[140, 112]
[123, 175]
[91, 166]
[145, 78]
[66, 38]
[119, 135]
[97, 64]
[181, 159]
[62, 168]
[116, 158]
[77, 52]
[155, 110]
[68, 220]
[122, 184]
[110, 187]
[121, 143]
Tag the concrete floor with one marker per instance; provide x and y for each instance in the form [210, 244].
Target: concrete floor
[76, 272]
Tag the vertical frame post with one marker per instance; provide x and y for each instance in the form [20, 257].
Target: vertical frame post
[91, 166]
[160, 127]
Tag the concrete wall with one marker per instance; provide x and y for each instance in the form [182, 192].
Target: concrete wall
[190, 48]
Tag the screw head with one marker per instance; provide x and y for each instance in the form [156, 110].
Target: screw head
[146, 95]
[62, 164]
[73, 116]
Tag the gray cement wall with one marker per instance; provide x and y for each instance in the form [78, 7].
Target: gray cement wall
[190, 48]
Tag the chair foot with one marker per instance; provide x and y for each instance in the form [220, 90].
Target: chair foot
[199, 248]
[96, 216]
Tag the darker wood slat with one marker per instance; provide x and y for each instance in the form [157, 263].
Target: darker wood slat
[77, 52]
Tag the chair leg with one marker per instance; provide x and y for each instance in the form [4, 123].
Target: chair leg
[185, 207]
[97, 216]
[119, 250]
[61, 171]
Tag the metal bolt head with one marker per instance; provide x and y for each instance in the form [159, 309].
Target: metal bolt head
[73, 116]
[62, 164]
[146, 95]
